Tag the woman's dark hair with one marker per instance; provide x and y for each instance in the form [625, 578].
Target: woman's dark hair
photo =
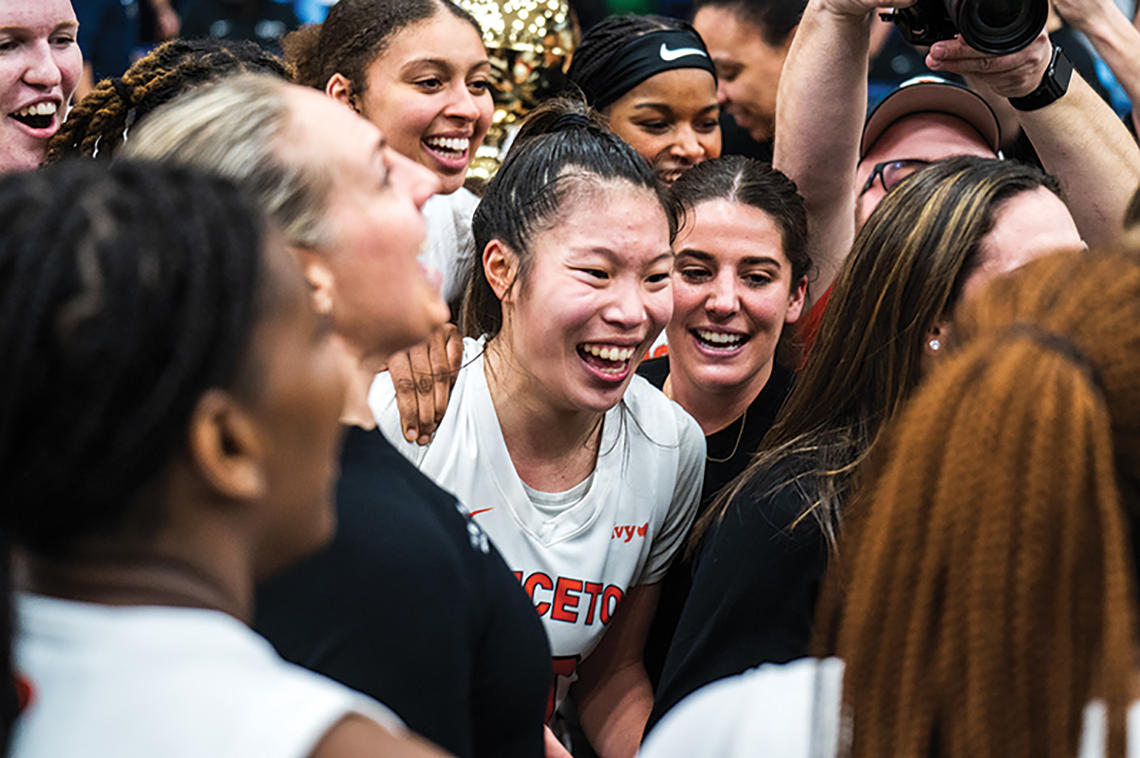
[750, 182]
[775, 18]
[562, 149]
[126, 291]
[97, 126]
[353, 34]
[905, 274]
[595, 53]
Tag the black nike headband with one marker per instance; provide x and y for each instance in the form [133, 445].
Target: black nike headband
[643, 57]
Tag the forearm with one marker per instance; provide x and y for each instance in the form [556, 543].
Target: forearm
[614, 713]
[819, 117]
[1081, 141]
[1118, 42]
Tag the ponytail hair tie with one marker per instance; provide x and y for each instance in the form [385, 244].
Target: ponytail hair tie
[568, 121]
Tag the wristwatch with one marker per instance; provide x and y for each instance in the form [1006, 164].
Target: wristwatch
[1054, 84]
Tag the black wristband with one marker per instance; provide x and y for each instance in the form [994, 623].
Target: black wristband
[1054, 84]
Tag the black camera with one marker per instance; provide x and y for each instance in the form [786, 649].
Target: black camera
[998, 27]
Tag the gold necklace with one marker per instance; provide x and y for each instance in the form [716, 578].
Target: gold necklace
[739, 436]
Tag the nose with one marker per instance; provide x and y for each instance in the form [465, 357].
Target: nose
[626, 308]
[463, 103]
[42, 69]
[412, 178]
[721, 95]
[688, 145]
[722, 300]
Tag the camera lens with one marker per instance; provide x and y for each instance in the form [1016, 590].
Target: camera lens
[998, 14]
[999, 27]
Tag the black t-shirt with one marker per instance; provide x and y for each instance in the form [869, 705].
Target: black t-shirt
[756, 580]
[728, 452]
[413, 605]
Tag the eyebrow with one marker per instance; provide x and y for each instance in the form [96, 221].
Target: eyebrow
[62, 25]
[748, 260]
[443, 63]
[668, 107]
[611, 256]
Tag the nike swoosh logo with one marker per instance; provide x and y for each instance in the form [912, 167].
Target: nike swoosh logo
[481, 510]
[672, 55]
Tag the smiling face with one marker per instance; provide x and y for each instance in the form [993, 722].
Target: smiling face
[429, 91]
[40, 65]
[747, 68]
[670, 119]
[595, 297]
[383, 300]
[732, 295]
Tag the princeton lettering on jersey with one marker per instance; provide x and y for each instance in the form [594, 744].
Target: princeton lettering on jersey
[626, 532]
[571, 600]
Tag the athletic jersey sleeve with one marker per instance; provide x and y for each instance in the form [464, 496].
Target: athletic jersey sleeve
[686, 496]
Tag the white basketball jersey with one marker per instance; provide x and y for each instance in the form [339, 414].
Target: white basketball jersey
[577, 563]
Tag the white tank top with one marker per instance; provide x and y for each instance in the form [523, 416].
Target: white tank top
[142, 681]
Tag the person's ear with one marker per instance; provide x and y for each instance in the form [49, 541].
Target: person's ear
[936, 338]
[796, 301]
[500, 265]
[225, 447]
[339, 88]
[320, 277]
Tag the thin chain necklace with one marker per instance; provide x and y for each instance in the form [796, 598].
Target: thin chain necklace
[739, 436]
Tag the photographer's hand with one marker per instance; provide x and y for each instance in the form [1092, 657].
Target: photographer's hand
[1078, 137]
[1013, 75]
[861, 8]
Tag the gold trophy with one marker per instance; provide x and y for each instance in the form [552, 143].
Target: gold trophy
[529, 43]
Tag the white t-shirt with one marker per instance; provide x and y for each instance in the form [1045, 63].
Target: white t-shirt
[792, 710]
[450, 247]
[576, 555]
[147, 681]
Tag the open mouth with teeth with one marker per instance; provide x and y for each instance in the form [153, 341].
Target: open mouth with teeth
[719, 342]
[38, 116]
[611, 362]
[450, 149]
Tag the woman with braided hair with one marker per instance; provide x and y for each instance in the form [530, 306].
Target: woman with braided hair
[98, 125]
[168, 435]
[40, 65]
[653, 78]
[985, 605]
[762, 547]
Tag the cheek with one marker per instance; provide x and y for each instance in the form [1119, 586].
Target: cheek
[70, 67]
[659, 307]
[688, 300]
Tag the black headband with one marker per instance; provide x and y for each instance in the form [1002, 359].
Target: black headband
[643, 57]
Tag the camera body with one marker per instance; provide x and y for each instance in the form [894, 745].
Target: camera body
[998, 27]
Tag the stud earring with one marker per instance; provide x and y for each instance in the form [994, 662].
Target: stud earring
[935, 345]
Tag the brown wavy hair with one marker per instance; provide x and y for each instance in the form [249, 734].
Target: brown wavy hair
[987, 592]
[904, 275]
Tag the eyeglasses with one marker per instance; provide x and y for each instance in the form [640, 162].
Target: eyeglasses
[890, 173]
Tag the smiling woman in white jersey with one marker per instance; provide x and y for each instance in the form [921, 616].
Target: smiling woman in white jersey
[584, 475]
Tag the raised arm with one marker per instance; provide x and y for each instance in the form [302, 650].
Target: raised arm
[1116, 39]
[820, 109]
[1078, 137]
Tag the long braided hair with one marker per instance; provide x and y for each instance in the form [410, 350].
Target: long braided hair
[125, 292]
[987, 594]
[98, 125]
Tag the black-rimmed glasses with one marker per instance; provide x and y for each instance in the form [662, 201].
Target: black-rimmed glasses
[890, 173]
